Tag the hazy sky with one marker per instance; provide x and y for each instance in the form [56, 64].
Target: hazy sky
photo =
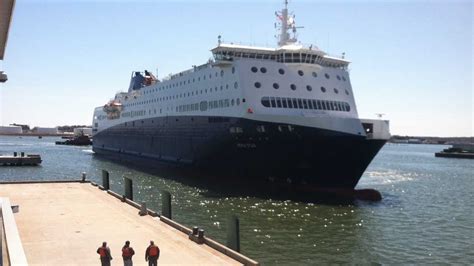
[412, 60]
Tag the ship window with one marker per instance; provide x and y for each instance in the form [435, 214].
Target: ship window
[236, 85]
[283, 101]
[254, 69]
[281, 71]
[293, 87]
[210, 76]
[243, 100]
[300, 104]
[295, 103]
[315, 105]
[257, 85]
[233, 70]
[222, 87]
[323, 89]
[347, 92]
[222, 73]
[343, 78]
[300, 72]
[238, 101]
[338, 77]
[278, 100]
[336, 91]
[290, 103]
[305, 104]
[326, 75]
[276, 86]
[310, 104]
[216, 74]
[232, 102]
[227, 86]
[309, 88]
[263, 70]
[272, 102]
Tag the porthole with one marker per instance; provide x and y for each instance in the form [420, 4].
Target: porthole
[222, 87]
[232, 102]
[281, 71]
[347, 92]
[338, 77]
[309, 88]
[276, 86]
[263, 70]
[233, 70]
[300, 72]
[315, 74]
[254, 69]
[222, 73]
[336, 91]
[343, 78]
[236, 85]
[257, 85]
[238, 101]
[293, 87]
[326, 75]
[323, 89]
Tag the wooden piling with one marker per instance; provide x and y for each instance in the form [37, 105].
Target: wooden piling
[233, 233]
[105, 180]
[166, 204]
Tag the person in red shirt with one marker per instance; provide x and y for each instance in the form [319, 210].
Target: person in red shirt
[152, 254]
[105, 256]
[127, 254]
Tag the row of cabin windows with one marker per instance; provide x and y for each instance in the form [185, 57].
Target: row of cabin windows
[183, 95]
[298, 103]
[281, 71]
[184, 82]
[205, 105]
[276, 86]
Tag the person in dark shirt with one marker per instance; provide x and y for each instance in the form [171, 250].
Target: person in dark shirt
[127, 254]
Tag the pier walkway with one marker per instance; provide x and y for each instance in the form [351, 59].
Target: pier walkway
[65, 223]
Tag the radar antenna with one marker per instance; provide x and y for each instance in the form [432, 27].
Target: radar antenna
[286, 22]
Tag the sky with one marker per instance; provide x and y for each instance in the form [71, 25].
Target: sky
[411, 60]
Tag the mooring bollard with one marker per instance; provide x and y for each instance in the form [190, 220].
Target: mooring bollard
[128, 188]
[195, 230]
[22, 154]
[143, 211]
[201, 233]
[166, 204]
[15, 154]
[83, 177]
[233, 233]
[105, 180]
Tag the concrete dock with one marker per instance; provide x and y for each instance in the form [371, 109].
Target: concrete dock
[65, 223]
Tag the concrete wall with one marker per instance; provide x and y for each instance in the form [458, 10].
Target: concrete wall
[47, 130]
[10, 130]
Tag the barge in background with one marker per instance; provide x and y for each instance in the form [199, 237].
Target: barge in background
[284, 114]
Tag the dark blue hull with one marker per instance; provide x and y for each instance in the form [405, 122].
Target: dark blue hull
[294, 155]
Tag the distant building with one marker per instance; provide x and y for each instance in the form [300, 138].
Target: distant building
[79, 131]
[47, 130]
[7, 130]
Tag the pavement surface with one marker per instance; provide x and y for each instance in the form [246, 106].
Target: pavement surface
[65, 223]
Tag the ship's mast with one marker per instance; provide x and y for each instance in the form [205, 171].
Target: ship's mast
[286, 22]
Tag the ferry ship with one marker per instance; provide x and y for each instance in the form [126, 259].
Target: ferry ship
[284, 114]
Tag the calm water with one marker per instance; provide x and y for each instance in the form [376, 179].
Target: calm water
[426, 216]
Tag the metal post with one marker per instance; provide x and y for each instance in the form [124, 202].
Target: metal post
[166, 204]
[233, 233]
[143, 211]
[105, 180]
[127, 182]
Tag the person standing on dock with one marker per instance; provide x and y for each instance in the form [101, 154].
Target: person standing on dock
[152, 254]
[105, 256]
[127, 254]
